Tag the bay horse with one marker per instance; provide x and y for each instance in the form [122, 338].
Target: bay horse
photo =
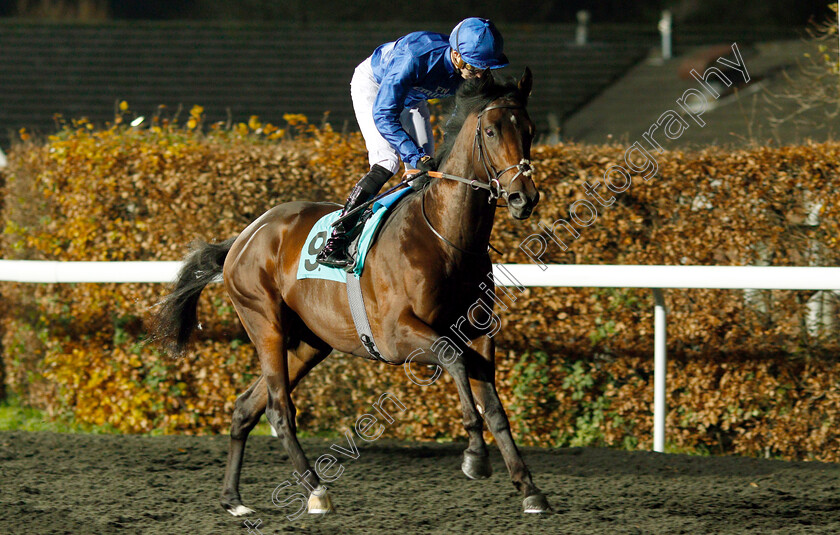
[421, 275]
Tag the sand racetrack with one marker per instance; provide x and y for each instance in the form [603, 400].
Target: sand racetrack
[56, 483]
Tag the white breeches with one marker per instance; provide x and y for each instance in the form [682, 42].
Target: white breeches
[415, 121]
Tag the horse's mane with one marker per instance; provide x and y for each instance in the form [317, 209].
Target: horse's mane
[472, 96]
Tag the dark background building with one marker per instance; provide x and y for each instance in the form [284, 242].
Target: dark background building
[267, 58]
[725, 12]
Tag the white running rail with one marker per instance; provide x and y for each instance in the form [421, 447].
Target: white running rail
[656, 278]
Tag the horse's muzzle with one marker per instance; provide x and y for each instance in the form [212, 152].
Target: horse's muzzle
[520, 206]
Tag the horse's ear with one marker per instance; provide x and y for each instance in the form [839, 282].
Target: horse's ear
[487, 78]
[525, 83]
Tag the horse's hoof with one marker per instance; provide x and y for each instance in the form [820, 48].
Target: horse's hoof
[535, 503]
[320, 502]
[476, 466]
[238, 510]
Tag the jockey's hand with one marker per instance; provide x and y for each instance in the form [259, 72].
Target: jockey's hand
[427, 163]
[424, 165]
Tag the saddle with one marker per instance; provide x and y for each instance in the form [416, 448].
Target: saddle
[363, 235]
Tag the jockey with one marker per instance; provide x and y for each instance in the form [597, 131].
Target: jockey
[389, 91]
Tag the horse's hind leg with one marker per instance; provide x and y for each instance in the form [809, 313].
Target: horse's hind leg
[280, 412]
[301, 360]
[272, 393]
[248, 410]
[481, 367]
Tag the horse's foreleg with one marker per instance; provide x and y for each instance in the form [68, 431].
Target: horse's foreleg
[419, 335]
[482, 380]
[248, 410]
[476, 463]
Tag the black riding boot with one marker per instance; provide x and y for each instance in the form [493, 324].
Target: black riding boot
[334, 253]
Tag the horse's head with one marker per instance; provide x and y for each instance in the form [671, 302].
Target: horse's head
[502, 147]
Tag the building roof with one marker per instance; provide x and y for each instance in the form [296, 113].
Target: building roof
[745, 114]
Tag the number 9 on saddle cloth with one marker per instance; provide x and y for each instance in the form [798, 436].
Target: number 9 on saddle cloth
[363, 236]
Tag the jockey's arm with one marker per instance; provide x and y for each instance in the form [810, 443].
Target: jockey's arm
[389, 104]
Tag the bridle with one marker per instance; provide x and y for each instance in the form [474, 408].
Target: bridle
[493, 185]
[523, 168]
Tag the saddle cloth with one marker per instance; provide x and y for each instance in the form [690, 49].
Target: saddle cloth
[309, 268]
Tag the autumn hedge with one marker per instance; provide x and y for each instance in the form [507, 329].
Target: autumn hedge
[750, 373]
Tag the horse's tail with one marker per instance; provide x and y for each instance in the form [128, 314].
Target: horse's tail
[177, 318]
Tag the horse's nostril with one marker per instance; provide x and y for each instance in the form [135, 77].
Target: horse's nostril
[516, 200]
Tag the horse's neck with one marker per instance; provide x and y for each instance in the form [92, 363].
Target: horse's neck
[461, 213]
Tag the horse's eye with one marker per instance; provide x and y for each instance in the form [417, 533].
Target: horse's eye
[489, 132]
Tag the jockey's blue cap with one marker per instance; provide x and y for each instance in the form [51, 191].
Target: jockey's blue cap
[479, 43]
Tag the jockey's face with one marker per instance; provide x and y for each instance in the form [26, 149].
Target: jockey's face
[466, 70]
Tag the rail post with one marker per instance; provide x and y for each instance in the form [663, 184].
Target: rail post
[666, 29]
[660, 366]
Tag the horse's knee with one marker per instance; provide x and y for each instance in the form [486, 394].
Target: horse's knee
[496, 418]
[242, 423]
[281, 417]
[238, 424]
[274, 416]
[474, 424]
[245, 416]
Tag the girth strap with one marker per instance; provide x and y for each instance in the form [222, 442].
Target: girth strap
[360, 319]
